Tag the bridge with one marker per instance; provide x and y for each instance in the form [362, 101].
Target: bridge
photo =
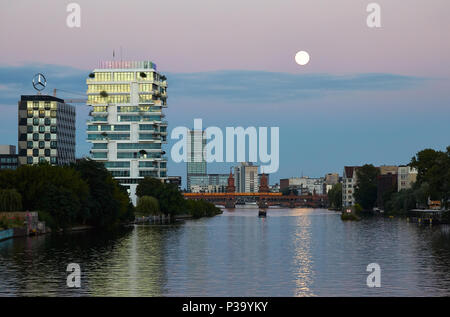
[230, 200]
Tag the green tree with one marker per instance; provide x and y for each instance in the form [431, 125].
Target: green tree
[84, 193]
[62, 204]
[335, 197]
[434, 170]
[10, 200]
[401, 202]
[366, 186]
[170, 199]
[201, 208]
[424, 161]
[150, 186]
[147, 206]
[108, 203]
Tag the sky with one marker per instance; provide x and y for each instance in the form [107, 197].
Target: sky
[368, 95]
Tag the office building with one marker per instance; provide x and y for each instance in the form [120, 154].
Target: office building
[246, 178]
[209, 183]
[8, 157]
[196, 161]
[176, 180]
[407, 176]
[330, 180]
[304, 185]
[46, 130]
[349, 179]
[126, 128]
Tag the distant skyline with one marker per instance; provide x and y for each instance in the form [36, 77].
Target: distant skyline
[367, 95]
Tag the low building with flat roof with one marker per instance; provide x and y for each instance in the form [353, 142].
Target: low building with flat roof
[8, 157]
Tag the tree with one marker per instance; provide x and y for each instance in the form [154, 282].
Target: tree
[61, 204]
[108, 203]
[335, 197]
[366, 186]
[147, 206]
[10, 200]
[400, 202]
[83, 193]
[424, 161]
[171, 201]
[150, 186]
[201, 208]
[434, 169]
[169, 197]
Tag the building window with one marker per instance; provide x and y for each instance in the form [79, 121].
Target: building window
[101, 155]
[116, 164]
[35, 152]
[100, 146]
[125, 173]
[47, 152]
[41, 144]
[35, 136]
[29, 160]
[148, 173]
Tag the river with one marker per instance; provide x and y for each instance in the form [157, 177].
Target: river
[292, 252]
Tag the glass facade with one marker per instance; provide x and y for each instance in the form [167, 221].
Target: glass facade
[122, 99]
[46, 130]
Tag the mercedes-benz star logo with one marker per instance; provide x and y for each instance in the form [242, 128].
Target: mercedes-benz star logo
[39, 82]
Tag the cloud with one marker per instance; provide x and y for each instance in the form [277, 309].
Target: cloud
[261, 86]
[17, 80]
[236, 85]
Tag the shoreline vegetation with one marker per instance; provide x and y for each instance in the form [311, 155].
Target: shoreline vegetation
[432, 185]
[85, 195]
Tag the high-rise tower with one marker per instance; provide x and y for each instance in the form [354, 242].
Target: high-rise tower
[196, 164]
[126, 128]
[46, 130]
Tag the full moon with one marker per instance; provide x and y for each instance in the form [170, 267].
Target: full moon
[302, 58]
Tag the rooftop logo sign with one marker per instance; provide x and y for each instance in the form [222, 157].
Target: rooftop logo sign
[39, 82]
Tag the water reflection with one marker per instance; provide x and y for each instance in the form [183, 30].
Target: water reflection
[292, 252]
[302, 256]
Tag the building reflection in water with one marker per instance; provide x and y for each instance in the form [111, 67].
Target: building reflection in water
[135, 267]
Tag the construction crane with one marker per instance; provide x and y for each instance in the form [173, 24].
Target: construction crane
[83, 101]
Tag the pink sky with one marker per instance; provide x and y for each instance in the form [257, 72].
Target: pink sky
[203, 35]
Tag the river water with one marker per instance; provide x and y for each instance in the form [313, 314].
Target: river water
[292, 252]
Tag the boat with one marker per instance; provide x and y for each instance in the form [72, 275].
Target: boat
[262, 213]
